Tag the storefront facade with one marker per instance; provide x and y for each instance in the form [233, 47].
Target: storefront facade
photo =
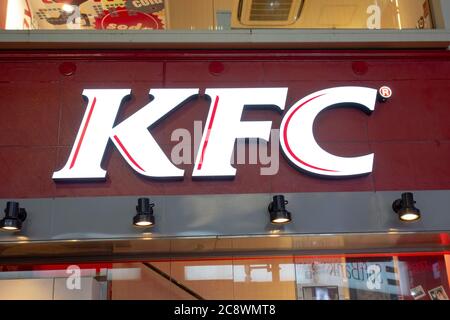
[212, 236]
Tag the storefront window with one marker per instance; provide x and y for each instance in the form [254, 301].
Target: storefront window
[212, 15]
[358, 277]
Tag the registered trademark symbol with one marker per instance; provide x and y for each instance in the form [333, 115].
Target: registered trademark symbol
[384, 93]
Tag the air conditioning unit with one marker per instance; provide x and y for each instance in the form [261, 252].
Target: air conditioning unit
[266, 13]
[325, 14]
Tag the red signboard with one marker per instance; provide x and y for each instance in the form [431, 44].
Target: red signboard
[42, 109]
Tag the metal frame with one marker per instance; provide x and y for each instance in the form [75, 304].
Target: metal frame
[245, 247]
[243, 39]
[222, 55]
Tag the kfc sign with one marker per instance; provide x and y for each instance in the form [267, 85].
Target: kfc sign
[223, 126]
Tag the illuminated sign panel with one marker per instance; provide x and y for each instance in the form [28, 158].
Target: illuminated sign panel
[223, 126]
[297, 137]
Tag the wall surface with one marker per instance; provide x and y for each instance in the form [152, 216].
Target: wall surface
[41, 110]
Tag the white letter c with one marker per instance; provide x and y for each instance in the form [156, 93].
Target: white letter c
[297, 137]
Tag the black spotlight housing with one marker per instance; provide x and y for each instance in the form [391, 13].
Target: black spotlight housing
[278, 212]
[14, 217]
[144, 217]
[405, 208]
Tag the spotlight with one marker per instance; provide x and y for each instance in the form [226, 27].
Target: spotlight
[278, 212]
[405, 208]
[144, 216]
[14, 217]
[68, 8]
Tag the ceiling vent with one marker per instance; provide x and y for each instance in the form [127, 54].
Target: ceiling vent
[268, 13]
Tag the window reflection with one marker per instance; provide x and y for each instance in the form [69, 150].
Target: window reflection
[384, 277]
[372, 279]
[215, 14]
[253, 273]
[314, 276]
[240, 273]
[321, 293]
[212, 272]
[424, 277]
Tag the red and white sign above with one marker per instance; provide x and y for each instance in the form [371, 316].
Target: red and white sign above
[223, 126]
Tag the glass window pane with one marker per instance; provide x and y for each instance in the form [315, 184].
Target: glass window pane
[321, 278]
[372, 278]
[214, 14]
[424, 278]
[210, 279]
[264, 279]
[413, 276]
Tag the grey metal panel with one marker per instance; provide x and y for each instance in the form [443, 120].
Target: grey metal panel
[434, 205]
[258, 38]
[93, 218]
[226, 215]
[216, 215]
[332, 213]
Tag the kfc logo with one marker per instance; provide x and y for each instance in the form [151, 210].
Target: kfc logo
[223, 126]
